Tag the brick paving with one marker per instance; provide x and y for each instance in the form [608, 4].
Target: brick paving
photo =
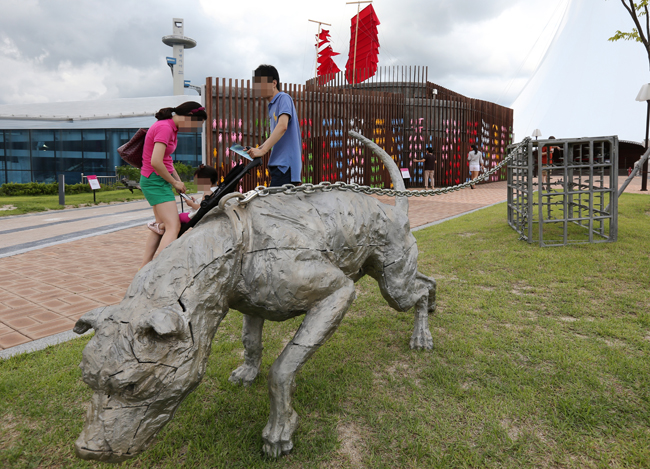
[44, 291]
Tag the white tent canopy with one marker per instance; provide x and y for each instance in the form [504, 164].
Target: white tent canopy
[585, 85]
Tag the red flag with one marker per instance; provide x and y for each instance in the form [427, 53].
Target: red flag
[367, 47]
[326, 66]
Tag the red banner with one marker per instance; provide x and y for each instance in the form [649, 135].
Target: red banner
[364, 48]
[327, 69]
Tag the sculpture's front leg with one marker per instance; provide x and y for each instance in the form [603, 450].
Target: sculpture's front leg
[421, 338]
[252, 338]
[320, 322]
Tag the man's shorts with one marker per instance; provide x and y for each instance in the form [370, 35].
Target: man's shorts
[278, 178]
[156, 190]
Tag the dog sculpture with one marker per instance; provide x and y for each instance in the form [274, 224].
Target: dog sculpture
[276, 258]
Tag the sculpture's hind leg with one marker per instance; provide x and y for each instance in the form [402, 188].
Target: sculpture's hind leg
[251, 336]
[320, 322]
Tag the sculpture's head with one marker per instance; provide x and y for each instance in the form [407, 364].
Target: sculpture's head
[150, 351]
[140, 368]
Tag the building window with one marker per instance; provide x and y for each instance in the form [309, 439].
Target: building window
[43, 148]
[70, 160]
[186, 150]
[95, 159]
[17, 156]
[116, 138]
[3, 166]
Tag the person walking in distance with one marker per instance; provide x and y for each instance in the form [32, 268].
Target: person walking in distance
[475, 159]
[429, 168]
[284, 143]
[547, 159]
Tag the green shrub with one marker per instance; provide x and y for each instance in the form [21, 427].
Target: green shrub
[185, 172]
[128, 172]
[38, 188]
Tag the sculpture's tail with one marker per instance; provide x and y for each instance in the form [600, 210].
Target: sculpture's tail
[398, 183]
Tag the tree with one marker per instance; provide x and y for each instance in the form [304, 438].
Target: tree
[637, 11]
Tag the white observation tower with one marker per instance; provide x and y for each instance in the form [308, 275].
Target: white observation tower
[179, 43]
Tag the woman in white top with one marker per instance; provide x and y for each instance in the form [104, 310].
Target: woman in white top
[475, 159]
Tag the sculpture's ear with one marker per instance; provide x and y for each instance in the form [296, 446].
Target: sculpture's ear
[164, 322]
[88, 320]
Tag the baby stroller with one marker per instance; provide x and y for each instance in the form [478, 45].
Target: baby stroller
[228, 186]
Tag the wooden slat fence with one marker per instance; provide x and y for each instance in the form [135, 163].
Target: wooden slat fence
[396, 108]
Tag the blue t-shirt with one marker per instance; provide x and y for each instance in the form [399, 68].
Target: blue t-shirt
[287, 152]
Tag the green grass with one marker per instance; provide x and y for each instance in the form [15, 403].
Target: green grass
[41, 203]
[540, 359]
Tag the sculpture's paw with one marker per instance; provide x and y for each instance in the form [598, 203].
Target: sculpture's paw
[431, 308]
[421, 340]
[277, 436]
[244, 375]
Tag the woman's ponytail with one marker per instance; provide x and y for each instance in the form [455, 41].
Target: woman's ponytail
[188, 108]
[165, 113]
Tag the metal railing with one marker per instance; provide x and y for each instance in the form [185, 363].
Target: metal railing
[108, 180]
[570, 199]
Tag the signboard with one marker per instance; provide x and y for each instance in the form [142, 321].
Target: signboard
[94, 183]
[405, 173]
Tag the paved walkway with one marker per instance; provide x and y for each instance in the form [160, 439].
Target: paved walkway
[56, 266]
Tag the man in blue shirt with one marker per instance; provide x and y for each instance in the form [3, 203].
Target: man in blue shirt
[285, 144]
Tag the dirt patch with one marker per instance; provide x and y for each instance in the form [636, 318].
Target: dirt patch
[9, 433]
[398, 371]
[522, 288]
[352, 446]
[529, 315]
[8, 207]
[567, 319]
[511, 429]
[515, 429]
[466, 235]
[614, 343]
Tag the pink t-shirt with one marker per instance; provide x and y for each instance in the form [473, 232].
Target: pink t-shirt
[163, 131]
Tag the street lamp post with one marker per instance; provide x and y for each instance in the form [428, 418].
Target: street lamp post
[644, 95]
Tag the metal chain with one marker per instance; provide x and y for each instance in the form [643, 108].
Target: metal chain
[307, 188]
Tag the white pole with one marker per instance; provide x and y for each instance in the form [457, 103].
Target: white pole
[320, 23]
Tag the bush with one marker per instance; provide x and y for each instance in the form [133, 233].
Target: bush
[37, 188]
[128, 172]
[184, 171]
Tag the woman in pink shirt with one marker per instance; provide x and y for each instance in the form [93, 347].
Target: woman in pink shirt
[158, 177]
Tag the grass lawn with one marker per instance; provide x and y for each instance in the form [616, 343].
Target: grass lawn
[541, 359]
[41, 203]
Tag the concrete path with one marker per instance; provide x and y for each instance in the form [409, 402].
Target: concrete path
[56, 266]
[23, 233]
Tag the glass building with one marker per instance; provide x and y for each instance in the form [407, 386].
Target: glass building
[31, 152]
[41, 155]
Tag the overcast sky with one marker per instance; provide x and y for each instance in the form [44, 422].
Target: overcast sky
[72, 50]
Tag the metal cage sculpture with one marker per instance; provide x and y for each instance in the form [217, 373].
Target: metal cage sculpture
[577, 204]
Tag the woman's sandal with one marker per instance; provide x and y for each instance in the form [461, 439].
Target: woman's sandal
[155, 227]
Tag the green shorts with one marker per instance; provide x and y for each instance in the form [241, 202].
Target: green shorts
[156, 190]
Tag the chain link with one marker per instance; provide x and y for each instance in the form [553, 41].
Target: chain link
[326, 186]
